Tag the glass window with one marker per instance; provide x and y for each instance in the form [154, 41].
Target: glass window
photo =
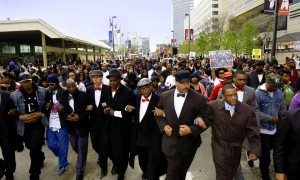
[215, 5]
[214, 12]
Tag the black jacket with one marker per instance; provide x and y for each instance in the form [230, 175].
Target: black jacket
[80, 105]
[287, 145]
[253, 81]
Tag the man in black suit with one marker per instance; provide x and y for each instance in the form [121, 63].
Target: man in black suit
[181, 135]
[287, 146]
[7, 135]
[257, 77]
[76, 117]
[97, 94]
[119, 122]
[146, 137]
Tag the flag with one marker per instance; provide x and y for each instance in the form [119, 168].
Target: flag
[110, 22]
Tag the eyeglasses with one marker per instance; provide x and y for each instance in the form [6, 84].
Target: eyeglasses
[51, 84]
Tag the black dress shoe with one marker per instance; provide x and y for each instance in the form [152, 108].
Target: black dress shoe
[34, 177]
[79, 177]
[144, 177]
[2, 168]
[9, 177]
[103, 173]
[121, 177]
[114, 170]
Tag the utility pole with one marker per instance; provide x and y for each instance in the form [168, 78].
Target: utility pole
[275, 28]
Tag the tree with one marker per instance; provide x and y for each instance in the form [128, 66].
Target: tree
[248, 32]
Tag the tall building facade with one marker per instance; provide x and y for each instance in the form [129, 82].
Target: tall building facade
[180, 8]
[145, 46]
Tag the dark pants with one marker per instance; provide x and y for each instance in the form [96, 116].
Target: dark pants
[267, 142]
[178, 165]
[80, 146]
[33, 139]
[7, 143]
[149, 159]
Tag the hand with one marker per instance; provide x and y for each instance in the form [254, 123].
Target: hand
[252, 157]
[158, 112]
[103, 104]
[129, 108]
[280, 176]
[25, 117]
[60, 108]
[71, 117]
[48, 105]
[168, 130]
[12, 112]
[184, 130]
[201, 123]
[89, 108]
[111, 112]
[36, 115]
[106, 110]
[274, 120]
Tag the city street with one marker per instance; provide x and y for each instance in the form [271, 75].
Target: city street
[201, 168]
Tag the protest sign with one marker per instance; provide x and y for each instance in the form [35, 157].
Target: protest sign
[220, 59]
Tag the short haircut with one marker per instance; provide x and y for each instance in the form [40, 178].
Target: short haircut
[227, 86]
[285, 71]
[239, 72]
[70, 80]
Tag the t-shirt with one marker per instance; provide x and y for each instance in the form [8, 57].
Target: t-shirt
[31, 103]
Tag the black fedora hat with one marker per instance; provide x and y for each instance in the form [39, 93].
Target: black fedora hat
[114, 73]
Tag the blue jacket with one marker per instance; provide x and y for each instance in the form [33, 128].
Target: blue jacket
[269, 107]
[18, 99]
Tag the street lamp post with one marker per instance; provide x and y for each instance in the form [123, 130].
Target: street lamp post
[189, 32]
[113, 33]
[275, 28]
[128, 45]
[173, 38]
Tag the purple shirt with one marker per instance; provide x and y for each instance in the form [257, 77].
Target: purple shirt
[295, 102]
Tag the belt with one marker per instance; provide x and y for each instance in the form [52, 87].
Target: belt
[54, 129]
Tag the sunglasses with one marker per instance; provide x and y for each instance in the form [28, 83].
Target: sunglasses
[51, 84]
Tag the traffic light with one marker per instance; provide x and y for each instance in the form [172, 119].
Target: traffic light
[174, 50]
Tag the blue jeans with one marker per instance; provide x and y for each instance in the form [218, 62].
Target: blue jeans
[58, 143]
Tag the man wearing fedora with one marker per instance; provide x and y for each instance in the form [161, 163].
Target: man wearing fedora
[146, 137]
[97, 95]
[181, 135]
[57, 133]
[30, 101]
[257, 76]
[119, 122]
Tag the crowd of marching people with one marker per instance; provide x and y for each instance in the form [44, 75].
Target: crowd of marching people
[155, 110]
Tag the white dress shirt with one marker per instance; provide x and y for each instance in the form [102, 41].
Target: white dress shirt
[240, 95]
[71, 102]
[143, 107]
[97, 96]
[54, 121]
[178, 102]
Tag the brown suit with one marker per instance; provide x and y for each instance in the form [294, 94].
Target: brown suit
[228, 134]
[180, 150]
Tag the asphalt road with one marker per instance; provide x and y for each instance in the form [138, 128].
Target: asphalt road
[202, 167]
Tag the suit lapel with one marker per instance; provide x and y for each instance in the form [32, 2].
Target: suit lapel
[172, 108]
[150, 105]
[246, 95]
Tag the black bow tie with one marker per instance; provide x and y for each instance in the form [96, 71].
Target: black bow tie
[180, 95]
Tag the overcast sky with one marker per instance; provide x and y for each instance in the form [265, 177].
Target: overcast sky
[148, 18]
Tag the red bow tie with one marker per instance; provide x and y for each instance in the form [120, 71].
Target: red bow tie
[114, 89]
[99, 89]
[239, 89]
[146, 99]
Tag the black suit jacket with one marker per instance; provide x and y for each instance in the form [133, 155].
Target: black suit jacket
[195, 105]
[7, 125]
[119, 129]
[253, 81]
[80, 105]
[287, 145]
